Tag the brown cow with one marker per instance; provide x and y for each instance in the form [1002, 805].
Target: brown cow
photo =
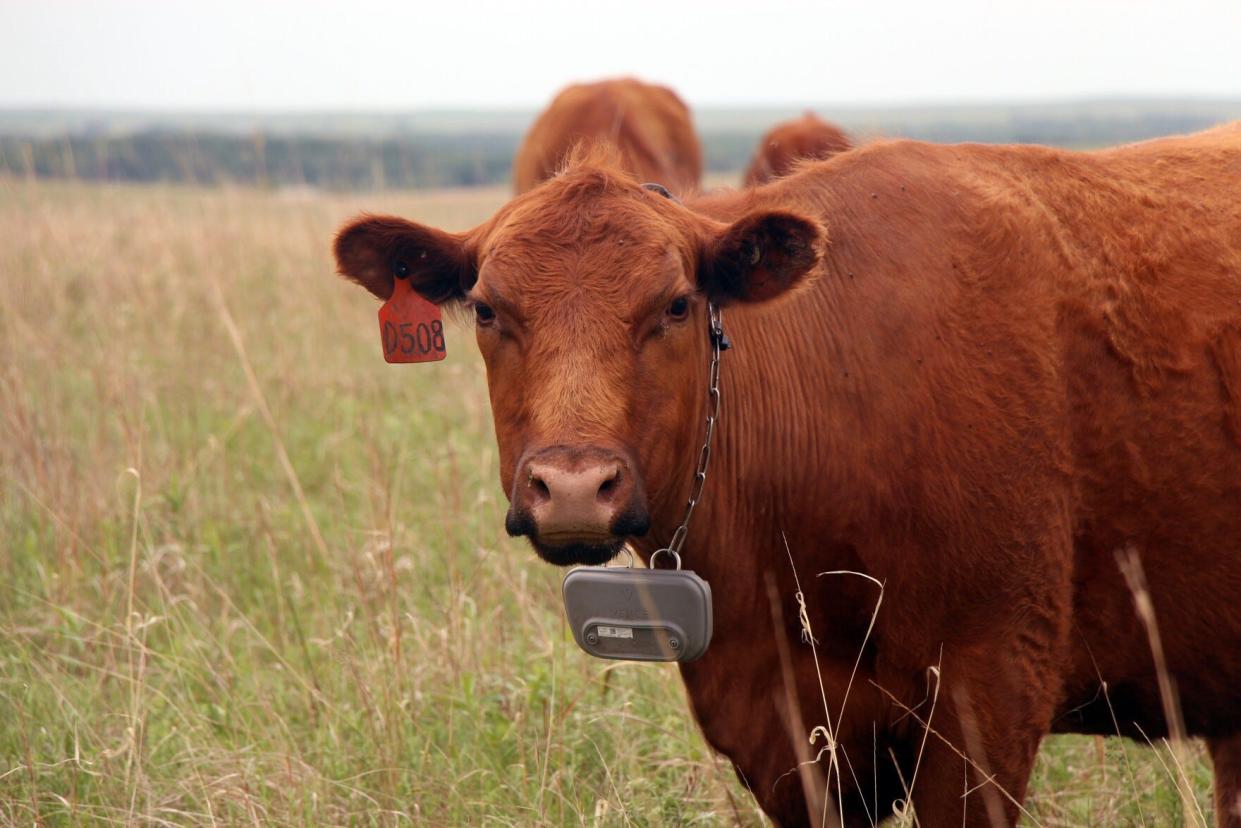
[788, 143]
[648, 124]
[997, 370]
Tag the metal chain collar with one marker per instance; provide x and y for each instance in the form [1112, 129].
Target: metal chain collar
[719, 343]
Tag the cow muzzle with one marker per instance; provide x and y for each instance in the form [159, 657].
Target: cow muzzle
[577, 505]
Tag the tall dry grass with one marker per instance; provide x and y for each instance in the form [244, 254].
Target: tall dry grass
[251, 574]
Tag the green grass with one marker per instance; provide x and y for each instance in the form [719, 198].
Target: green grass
[177, 645]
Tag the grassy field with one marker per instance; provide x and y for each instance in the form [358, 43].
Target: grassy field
[250, 574]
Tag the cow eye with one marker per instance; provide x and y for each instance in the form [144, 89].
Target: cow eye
[484, 314]
[679, 309]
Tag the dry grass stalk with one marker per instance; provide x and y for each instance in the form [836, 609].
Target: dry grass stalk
[1135, 577]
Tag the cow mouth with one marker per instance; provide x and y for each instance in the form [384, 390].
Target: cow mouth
[574, 551]
[579, 545]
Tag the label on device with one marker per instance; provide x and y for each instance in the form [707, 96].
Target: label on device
[632, 614]
[410, 327]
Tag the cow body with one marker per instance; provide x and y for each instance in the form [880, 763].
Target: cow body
[650, 126]
[1011, 364]
[787, 144]
[1015, 363]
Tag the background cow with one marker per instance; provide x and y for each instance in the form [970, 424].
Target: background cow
[649, 125]
[1010, 371]
[808, 137]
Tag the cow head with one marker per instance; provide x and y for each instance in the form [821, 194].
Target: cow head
[589, 299]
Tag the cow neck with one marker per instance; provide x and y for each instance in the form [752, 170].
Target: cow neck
[769, 454]
[671, 554]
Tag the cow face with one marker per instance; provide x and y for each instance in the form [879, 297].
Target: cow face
[589, 300]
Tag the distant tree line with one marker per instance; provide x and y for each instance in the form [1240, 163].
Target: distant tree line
[214, 158]
[473, 158]
[1081, 131]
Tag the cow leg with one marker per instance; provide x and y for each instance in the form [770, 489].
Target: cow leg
[987, 710]
[1226, 756]
[973, 769]
[987, 671]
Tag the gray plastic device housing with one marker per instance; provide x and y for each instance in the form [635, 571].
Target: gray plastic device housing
[638, 614]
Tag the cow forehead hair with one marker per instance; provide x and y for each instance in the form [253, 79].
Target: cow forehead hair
[585, 197]
[538, 281]
[594, 162]
[607, 228]
[590, 217]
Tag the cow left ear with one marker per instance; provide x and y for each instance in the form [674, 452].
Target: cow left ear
[760, 256]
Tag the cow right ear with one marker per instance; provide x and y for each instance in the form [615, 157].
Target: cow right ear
[374, 250]
[760, 256]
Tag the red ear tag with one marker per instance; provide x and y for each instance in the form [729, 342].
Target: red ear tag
[411, 327]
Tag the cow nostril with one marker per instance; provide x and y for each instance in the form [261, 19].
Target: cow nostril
[541, 492]
[608, 487]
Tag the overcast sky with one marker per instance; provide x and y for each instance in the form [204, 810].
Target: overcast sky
[365, 54]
